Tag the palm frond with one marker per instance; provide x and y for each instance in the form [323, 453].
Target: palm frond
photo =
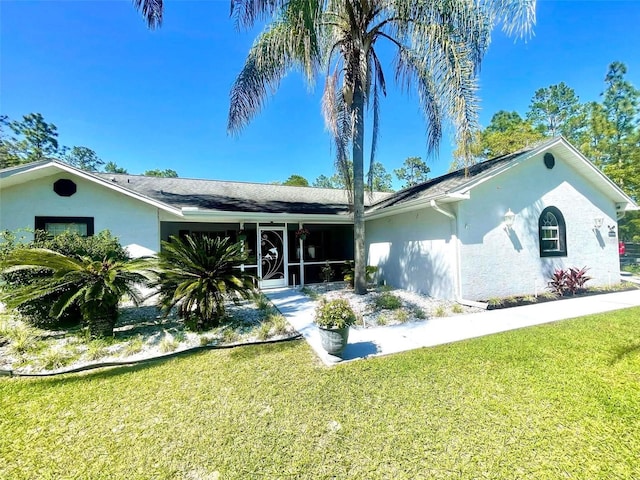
[516, 16]
[38, 258]
[152, 11]
[379, 86]
[289, 42]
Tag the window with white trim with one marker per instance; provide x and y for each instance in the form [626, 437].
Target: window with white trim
[552, 233]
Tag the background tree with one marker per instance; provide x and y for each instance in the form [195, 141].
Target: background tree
[296, 181]
[379, 179]
[508, 132]
[412, 172]
[8, 155]
[621, 102]
[83, 158]
[166, 173]
[438, 48]
[556, 110]
[37, 139]
[324, 182]
[595, 142]
[111, 167]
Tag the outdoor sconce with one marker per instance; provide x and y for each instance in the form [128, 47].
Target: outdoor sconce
[597, 222]
[509, 218]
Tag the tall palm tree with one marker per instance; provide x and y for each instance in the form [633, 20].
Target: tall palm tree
[438, 46]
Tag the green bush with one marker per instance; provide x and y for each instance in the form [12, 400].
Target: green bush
[335, 314]
[387, 301]
[349, 272]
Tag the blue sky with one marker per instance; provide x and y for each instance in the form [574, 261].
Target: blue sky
[159, 99]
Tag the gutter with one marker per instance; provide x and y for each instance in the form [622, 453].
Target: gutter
[458, 274]
[412, 205]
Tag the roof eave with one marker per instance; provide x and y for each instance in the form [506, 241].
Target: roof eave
[416, 204]
[35, 167]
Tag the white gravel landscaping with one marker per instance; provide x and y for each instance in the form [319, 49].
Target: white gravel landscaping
[142, 332]
[413, 306]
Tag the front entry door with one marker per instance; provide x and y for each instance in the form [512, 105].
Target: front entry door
[272, 262]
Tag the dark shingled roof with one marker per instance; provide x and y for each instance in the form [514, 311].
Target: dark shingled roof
[238, 196]
[444, 184]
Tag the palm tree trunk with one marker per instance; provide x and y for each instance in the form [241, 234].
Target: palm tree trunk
[101, 319]
[360, 278]
[101, 326]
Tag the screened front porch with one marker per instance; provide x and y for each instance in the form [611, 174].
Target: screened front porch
[280, 254]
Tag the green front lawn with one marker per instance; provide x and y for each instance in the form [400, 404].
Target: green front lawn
[555, 401]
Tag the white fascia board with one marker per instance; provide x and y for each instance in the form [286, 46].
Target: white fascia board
[196, 215]
[416, 205]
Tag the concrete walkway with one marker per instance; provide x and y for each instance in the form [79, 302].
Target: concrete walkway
[299, 311]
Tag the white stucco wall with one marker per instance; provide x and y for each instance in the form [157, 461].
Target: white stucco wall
[132, 221]
[414, 251]
[498, 263]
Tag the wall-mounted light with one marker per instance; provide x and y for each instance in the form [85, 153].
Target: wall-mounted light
[509, 218]
[597, 222]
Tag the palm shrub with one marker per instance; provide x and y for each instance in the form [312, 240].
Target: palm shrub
[37, 311]
[197, 275]
[94, 287]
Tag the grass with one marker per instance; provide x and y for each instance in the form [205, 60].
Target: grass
[560, 400]
[440, 311]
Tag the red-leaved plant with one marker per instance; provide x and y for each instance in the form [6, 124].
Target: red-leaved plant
[567, 281]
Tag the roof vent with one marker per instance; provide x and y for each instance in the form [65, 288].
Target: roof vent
[65, 187]
[113, 179]
[549, 160]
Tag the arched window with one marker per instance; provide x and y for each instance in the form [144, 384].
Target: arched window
[552, 233]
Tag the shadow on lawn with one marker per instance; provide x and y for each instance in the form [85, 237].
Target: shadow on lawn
[625, 351]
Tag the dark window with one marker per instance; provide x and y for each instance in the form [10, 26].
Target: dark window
[552, 233]
[57, 225]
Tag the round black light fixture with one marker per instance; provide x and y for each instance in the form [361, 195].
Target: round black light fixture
[549, 160]
[65, 187]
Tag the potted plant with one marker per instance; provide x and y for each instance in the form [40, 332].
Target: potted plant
[334, 319]
[301, 234]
